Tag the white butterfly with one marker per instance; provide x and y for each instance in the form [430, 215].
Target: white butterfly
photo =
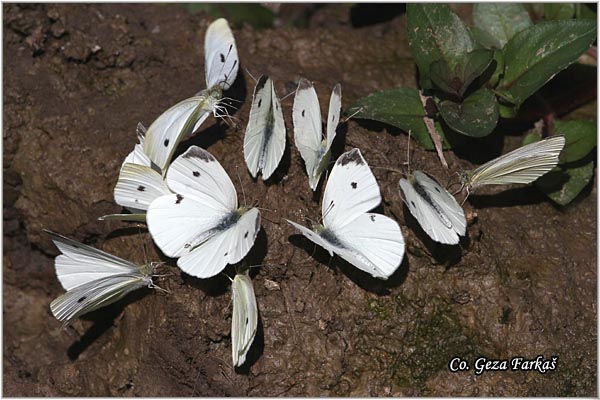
[264, 142]
[201, 224]
[93, 278]
[523, 165]
[436, 210]
[180, 121]
[244, 319]
[308, 128]
[371, 242]
[138, 184]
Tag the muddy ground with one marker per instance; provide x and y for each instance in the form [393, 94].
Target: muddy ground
[78, 78]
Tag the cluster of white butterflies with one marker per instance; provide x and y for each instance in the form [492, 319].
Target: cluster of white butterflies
[191, 206]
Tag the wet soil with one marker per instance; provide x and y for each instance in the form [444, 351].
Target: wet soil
[78, 78]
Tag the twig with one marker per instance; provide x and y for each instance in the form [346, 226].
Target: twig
[435, 136]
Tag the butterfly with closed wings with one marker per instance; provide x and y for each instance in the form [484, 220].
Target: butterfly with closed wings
[523, 165]
[200, 223]
[93, 278]
[183, 119]
[369, 241]
[264, 141]
[308, 128]
[244, 320]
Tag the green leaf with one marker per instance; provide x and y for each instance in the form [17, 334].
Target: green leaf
[476, 116]
[501, 20]
[563, 183]
[580, 139]
[483, 39]
[399, 107]
[533, 56]
[465, 71]
[559, 10]
[584, 11]
[435, 33]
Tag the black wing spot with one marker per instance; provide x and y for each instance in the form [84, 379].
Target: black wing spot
[179, 198]
[277, 106]
[373, 218]
[196, 173]
[413, 204]
[222, 57]
[246, 235]
[225, 255]
[246, 320]
[437, 190]
[166, 143]
[187, 246]
[141, 188]
[354, 185]
[82, 299]
[303, 113]
[259, 102]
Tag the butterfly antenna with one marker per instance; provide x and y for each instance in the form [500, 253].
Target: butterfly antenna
[228, 277]
[353, 114]
[251, 76]
[155, 286]
[288, 95]
[232, 99]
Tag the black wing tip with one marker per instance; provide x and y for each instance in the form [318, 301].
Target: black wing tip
[337, 89]
[198, 152]
[262, 81]
[304, 84]
[353, 156]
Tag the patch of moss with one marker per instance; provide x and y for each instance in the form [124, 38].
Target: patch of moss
[380, 307]
[433, 343]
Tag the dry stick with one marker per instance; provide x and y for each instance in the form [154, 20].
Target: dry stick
[435, 136]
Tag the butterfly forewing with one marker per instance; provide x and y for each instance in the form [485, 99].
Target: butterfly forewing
[220, 55]
[333, 117]
[351, 191]
[198, 175]
[173, 125]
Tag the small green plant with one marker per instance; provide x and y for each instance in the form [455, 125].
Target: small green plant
[476, 75]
